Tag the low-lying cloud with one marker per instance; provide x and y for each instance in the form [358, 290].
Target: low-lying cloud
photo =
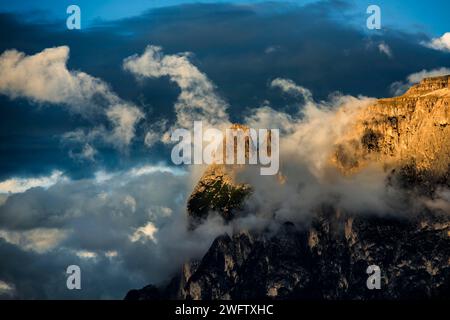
[124, 229]
[400, 87]
[308, 178]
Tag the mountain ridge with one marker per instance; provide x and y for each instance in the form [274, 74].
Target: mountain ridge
[327, 258]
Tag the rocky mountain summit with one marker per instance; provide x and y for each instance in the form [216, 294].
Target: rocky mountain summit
[327, 257]
[412, 129]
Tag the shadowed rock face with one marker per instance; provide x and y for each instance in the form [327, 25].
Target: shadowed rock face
[328, 257]
[326, 261]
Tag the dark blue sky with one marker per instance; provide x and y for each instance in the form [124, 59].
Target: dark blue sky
[324, 46]
[404, 13]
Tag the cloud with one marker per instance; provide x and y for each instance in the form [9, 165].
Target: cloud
[6, 290]
[197, 100]
[124, 117]
[400, 87]
[124, 229]
[288, 86]
[148, 169]
[44, 78]
[441, 201]
[309, 180]
[385, 49]
[86, 254]
[271, 49]
[3, 198]
[88, 152]
[39, 239]
[15, 185]
[98, 216]
[442, 43]
[237, 65]
[146, 231]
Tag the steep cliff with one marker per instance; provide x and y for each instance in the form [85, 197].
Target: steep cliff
[412, 129]
[218, 192]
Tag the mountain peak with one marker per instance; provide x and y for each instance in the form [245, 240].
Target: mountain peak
[327, 258]
[409, 130]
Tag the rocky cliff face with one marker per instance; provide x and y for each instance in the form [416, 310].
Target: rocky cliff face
[412, 129]
[328, 261]
[327, 258]
[216, 191]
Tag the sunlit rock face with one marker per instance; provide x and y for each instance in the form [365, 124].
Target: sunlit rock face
[217, 192]
[410, 130]
[327, 258]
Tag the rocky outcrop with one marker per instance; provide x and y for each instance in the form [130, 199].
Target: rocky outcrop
[217, 191]
[327, 261]
[412, 129]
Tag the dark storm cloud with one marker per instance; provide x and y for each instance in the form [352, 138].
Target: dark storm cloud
[242, 48]
[42, 276]
[100, 225]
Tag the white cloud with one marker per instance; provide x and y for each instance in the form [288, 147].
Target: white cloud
[16, 185]
[309, 178]
[419, 76]
[111, 254]
[102, 176]
[145, 232]
[88, 152]
[39, 240]
[148, 169]
[124, 117]
[159, 211]
[400, 87]
[85, 254]
[131, 202]
[288, 86]
[442, 43]
[266, 117]
[271, 49]
[152, 137]
[385, 49]
[6, 289]
[44, 78]
[166, 212]
[197, 100]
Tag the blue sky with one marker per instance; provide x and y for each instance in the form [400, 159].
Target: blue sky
[430, 15]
